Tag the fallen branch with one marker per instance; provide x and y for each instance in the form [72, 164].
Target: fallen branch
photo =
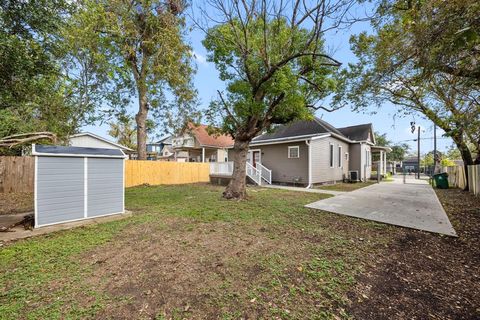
[22, 138]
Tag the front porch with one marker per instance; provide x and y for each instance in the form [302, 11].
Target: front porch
[381, 164]
[203, 154]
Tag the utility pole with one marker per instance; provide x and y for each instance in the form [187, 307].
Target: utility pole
[418, 154]
[435, 157]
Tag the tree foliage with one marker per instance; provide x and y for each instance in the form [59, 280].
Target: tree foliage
[124, 131]
[273, 61]
[422, 58]
[34, 88]
[398, 153]
[139, 45]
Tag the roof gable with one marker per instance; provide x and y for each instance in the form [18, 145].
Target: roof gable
[205, 139]
[361, 132]
[94, 136]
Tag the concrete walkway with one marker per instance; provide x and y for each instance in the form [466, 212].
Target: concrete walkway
[412, 205]
[332, 192]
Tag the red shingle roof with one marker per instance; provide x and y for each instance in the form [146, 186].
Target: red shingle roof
[202, 136]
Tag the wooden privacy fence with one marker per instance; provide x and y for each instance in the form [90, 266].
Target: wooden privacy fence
[456, 176]
[139, 172]
[16, 174]
[474, 179]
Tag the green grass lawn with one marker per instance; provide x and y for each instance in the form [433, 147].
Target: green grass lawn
[188, 253]
[346, 186]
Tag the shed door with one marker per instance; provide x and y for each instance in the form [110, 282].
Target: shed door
[59, 189]
[105, 186]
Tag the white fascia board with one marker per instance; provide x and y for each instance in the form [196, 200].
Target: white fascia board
[342, 138]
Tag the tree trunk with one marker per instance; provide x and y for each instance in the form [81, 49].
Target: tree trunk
[466, 157]
[236, 188]
[141, 119]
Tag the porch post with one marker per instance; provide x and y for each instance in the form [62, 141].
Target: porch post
[203, 154]
[380, 164]
[385, 161]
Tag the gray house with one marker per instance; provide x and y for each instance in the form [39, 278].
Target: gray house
[312, 152]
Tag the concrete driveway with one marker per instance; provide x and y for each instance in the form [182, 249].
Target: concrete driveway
[412, 205]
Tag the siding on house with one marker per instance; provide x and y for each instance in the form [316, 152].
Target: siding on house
[356, 158]
[359, 159]
[321, 170]
[90, 142]
[368, 162]
[284, 169]
[221, 155]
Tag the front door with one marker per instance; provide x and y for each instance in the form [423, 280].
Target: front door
[255, 157]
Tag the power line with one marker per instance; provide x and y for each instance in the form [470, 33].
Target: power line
[428, 138]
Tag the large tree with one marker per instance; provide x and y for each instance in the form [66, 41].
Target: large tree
[272, 57]
[394, 67]
[140, 46]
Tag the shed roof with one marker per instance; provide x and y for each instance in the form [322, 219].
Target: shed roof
[48, 150]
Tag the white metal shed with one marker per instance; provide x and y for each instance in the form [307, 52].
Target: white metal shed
[75, 183]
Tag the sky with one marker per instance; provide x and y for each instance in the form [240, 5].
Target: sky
[397, 128]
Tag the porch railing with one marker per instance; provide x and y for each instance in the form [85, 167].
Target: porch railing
[265, 173]
[254, 174]
[221, 168]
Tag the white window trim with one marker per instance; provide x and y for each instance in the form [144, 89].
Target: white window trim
[347, 156]
[298, 152]
[340, 157]
[331, 157]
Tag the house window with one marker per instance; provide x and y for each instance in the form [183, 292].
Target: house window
[346, 156]
[340, 158]
[294, 152]
[331, 155]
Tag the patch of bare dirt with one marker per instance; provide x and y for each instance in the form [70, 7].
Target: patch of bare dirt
[16, 202]
[179, 268]
[426, 276]
[210, 270]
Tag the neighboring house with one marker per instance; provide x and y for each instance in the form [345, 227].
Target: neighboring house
[160, 150]
[315, 152]
[90, 140]
[410, 164]
[195, 144]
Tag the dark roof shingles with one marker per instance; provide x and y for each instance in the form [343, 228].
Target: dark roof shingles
[356, 133]
[299, 128]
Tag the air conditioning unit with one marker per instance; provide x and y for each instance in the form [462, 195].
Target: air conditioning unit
[353, 175]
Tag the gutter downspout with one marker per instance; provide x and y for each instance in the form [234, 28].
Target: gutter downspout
[307, 142]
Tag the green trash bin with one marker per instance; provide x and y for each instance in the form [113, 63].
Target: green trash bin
[441, 180]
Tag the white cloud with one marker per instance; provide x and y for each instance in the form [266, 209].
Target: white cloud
[199, 58]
